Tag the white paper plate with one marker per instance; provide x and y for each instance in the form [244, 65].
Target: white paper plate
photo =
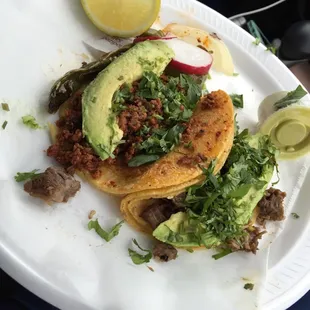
[50, 251]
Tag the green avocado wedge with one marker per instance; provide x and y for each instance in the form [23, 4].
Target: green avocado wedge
[99, 122]
[176, 231]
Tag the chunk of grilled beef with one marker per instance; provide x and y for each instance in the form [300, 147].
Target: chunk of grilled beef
[53, 185]
[249, 242]
[179, 200]
[164, 252]
[159, 211]
[270, 207]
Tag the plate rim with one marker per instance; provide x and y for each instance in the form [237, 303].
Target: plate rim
[25, 275]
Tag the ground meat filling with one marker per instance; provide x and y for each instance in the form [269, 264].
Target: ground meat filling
[73, 151]
[209, 102]
[160, 211]
[140, 114]
[270, 207]
[54, 185]
[164, 252]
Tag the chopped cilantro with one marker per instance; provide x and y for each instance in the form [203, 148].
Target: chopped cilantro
[209, 76]
[257, 41]
[174, 236]
[120, 97]
[222, 254]
[248, 286]
[291, 98]
[107, 236]
[23, 176]
[4, 124]
[163, 140]
[118, 107]
[272, 49]
[142, 159]
[236, 126]
[144, 130]
[190, 250]
[158, 117]
[148, 65]
[30, 121]
[137, 258]
[237, 100]
[177, 105]
[5, 107]
[188, 145]
[295, 215]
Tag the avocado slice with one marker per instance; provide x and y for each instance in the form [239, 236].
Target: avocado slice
[170, 231]
[99, 123]
[186, 240]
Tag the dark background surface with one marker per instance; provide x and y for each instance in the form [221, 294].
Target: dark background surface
[273, 23]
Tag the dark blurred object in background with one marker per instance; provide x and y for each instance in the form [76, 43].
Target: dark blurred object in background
[273, 22]
[285, 26]
[296, 41]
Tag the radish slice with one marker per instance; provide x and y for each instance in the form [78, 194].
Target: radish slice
[222, 60]
[151, 38]
[189, 58]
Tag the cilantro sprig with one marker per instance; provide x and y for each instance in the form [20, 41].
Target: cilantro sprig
[237, 100]
[138, 258]
[162, 141]
[24, 176]
[291, 98]
[107, 236]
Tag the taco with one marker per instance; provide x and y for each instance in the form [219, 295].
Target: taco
[221, 210]
[132, 122]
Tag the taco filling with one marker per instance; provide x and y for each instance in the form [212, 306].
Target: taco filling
[152, 123]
